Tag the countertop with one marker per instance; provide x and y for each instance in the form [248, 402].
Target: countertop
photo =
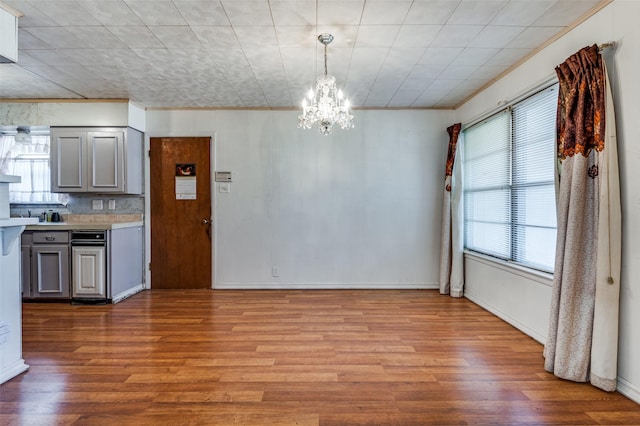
[18, 221]
[82, 226]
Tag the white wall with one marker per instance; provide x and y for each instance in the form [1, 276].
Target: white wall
[358, 208]
[616, 22]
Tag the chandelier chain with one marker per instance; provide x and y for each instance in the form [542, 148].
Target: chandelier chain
[325, 60]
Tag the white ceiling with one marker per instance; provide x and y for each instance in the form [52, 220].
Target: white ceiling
[264, 53]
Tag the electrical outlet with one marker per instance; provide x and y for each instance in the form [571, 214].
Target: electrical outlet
[275, 271]
[112, 204]
[97, 205]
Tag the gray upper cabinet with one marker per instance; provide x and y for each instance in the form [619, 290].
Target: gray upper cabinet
[100, 160]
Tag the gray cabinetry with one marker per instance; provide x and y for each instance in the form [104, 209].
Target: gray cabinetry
[126, 251]
[100, 160]
[45, 265]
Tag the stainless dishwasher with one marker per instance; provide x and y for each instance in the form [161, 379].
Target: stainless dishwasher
[89, 267]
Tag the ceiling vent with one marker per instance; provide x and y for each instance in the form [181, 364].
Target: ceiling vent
[8, 33]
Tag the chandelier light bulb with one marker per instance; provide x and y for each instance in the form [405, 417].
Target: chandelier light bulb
[326, 107]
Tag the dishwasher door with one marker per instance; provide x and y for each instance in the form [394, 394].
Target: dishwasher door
[88, 267]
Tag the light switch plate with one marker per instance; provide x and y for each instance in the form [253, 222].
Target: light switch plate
[97, 205]
[112, 204]
[224, 187]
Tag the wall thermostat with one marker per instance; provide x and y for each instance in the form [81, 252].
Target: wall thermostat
[223, 176]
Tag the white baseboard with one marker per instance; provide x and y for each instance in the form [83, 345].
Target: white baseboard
[507, 318]
[127, 293]
[11, 371]
[627, 389]
[325, 286]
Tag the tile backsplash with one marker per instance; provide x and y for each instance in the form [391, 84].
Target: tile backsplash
[83, 204]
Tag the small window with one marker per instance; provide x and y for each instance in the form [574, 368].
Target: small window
[30, 161]
[509, 189]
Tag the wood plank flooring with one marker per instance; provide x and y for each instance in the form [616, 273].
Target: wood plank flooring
[290, 358]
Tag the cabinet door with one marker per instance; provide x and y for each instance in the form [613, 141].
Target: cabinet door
[89, 272]
[50, 271]
[68, 159]
[105, 161]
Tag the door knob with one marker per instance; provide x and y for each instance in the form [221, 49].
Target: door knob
[205, 221]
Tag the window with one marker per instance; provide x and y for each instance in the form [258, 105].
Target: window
[509, 189]
[30, 161]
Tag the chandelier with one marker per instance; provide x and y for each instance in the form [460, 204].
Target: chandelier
[326, 106]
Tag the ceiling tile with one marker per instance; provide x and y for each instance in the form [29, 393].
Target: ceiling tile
[156, 12]
[136, 36]
[293, 12]
[27, 41]
[50, 57]
[111, 12]
[33, 17]
[533, 37]
[96, 37]
[26, 60]
[56, 37]
[521, 12]
[494, 36]
[297, 36]
[247, 12]
[416, 35]
[509, 56]
[340, 12]
[202, 12]
[565, 12]
[474, 56]
[251, 37]
[179, 37]
[476, 12]
[456, 35]
[65, 12]
[426, 71]
[488, 71]
[403, 98]
[440, 55]
[30, 84]
[385, 12]
[216, 37]
[458, 72]
[435, 12]
[377, 35]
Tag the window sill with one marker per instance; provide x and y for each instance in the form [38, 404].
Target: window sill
[532, 274]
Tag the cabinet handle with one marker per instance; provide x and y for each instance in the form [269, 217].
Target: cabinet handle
[50, 238]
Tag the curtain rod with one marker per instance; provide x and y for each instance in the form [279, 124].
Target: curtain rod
[606, 45]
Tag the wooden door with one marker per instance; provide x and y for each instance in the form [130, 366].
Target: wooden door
[180, 213]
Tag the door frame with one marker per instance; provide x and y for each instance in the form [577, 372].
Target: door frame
[147, 198]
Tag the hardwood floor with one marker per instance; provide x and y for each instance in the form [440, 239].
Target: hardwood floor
[290, 357]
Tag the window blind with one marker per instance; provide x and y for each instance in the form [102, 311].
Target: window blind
[533, 190]
[509, 190]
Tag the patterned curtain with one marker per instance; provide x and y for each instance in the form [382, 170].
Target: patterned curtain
[451, 257]
[582, 343]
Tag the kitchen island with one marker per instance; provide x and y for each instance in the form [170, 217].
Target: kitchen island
[11, 362]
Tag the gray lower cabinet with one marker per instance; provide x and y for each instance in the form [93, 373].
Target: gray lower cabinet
[126, 251]
[45, 265]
